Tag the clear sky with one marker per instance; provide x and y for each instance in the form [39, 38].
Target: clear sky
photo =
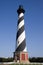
[33, 26]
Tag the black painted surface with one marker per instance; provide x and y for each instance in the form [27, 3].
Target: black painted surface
[20, 32]
[20, 9]
[20, 19]
[22, 46]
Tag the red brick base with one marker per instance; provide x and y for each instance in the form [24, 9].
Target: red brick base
[21, 56]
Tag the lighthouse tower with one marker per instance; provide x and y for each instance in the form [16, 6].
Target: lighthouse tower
[21, 53]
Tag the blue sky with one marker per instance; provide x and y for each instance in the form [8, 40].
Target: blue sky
[33, 26]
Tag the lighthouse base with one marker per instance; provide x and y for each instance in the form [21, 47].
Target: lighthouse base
[21, 57]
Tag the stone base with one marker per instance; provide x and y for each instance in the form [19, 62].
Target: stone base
[21, 57]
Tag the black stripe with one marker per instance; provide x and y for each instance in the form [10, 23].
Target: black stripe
[22, 46]
[19, 32]
[20, 19]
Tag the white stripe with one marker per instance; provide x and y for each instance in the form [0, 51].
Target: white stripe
[20, 38]
[20, 24]
[21, 15]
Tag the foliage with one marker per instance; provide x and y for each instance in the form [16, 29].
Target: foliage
[33, 59]
[6, 59]
[38, 59]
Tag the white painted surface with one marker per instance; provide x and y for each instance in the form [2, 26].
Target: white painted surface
[21, 15]
[20, 24]
[21, 38]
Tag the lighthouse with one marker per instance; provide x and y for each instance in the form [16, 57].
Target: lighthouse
[21, 54]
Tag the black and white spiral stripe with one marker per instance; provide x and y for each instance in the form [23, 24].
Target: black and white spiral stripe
[20, 38]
